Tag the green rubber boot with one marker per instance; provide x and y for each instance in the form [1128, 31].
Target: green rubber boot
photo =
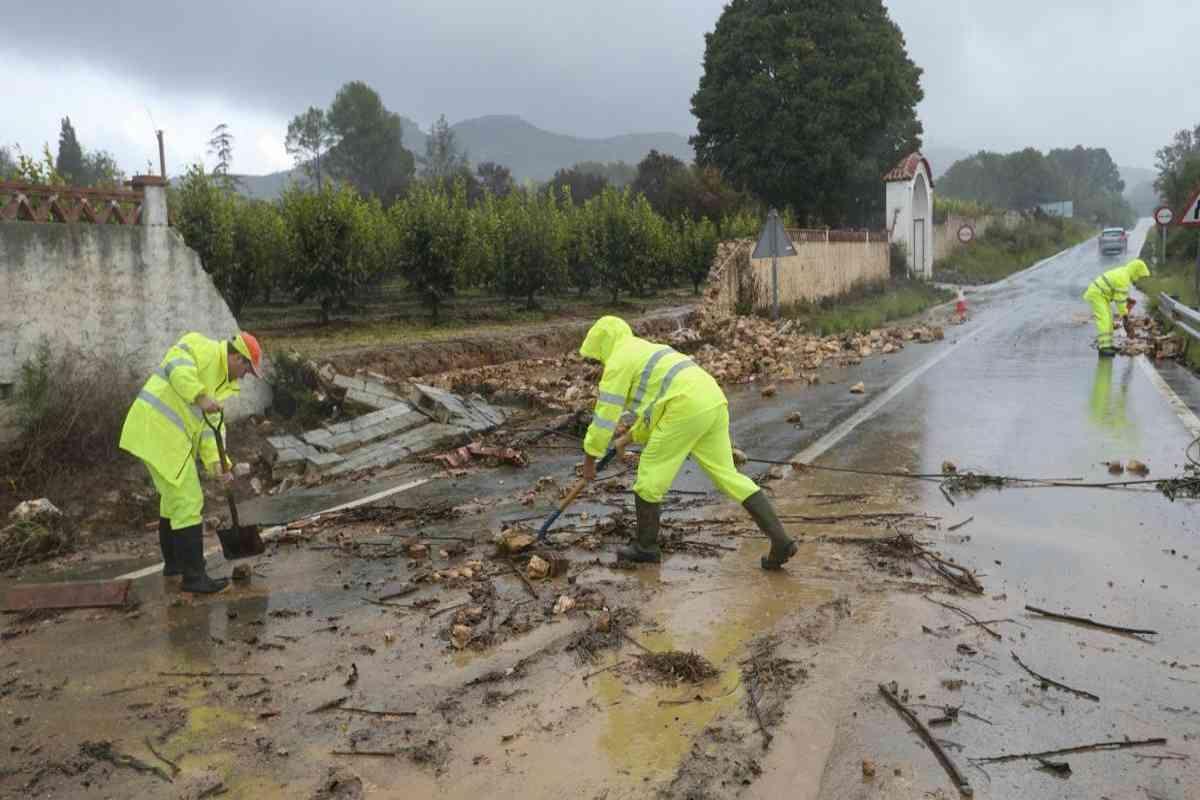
[645, 550]
[783, 546]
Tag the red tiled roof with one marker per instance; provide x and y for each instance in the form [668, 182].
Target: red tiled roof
[906, 170]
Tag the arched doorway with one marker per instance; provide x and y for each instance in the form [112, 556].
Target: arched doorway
[922, 221]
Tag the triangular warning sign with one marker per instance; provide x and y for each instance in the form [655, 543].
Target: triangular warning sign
[773, 241]
[1191, 216]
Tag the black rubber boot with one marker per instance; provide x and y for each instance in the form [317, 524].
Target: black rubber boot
[645, 550]
[166, 543]
[783, 546]
[189, 547]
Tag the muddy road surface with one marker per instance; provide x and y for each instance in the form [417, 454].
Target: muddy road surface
[392, 651]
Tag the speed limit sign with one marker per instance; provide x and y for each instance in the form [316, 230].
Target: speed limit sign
[1164, 215]
[966, 234]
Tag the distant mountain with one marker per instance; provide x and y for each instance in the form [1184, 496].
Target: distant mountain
[529, 151]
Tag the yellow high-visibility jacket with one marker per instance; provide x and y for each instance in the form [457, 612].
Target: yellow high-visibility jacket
[639, 377]
[164, 427]
[1114, 285]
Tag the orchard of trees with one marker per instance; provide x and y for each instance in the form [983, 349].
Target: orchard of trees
[1024, 179]
[367, 214]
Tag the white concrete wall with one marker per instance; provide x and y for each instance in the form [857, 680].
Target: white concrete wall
[129, 291]
[818, 270]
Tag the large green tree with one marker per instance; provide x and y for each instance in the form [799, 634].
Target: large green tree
[69, 163]
[1176, 163]
[369, 150]
[807, 103]
[308, 137]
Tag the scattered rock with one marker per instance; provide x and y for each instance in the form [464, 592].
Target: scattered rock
[795, 417]
[868, 768]
[949, 468]
[242, 572]
[858, 388]
[1114, 467]
[739, 457]
[513, 541]
[241, 469]
[1137, 468]
[604, 622]
[256, 485]
[770, 390]
[537, 568]
[40, 511]
[460, 636]
[418, 550]
[564, 603]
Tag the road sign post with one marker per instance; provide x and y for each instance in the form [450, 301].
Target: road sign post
[1164, 216]
[774, 242]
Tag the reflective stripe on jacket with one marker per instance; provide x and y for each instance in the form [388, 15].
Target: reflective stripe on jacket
[640, 377]
[1115, 284]
[164, 427]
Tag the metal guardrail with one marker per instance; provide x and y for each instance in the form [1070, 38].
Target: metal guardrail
[1182, 315]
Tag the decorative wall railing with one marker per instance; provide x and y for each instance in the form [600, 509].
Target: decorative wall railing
[24, 202]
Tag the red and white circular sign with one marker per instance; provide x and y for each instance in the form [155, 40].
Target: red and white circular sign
[1164, 215]
[966, 234]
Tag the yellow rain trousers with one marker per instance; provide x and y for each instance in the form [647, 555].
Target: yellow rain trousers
[1112, 287]
[677, 408]
[166, 430]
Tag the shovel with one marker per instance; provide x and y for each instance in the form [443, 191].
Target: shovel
[580, 485]
[240, 541]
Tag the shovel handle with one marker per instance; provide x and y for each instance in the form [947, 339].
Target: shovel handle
[233, 513]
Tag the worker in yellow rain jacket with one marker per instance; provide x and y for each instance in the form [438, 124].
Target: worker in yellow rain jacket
[675, 409]
[1113, 287]
[166, 429]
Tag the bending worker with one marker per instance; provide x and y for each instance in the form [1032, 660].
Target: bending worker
[165, 428]
[678, 410]
[1113, 287]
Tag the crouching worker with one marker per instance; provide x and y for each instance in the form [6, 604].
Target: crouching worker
[166, 429]
[676, 409]
[1113, 287]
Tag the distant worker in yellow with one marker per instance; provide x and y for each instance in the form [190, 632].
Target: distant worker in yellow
[165, 428]
[675, 409]
[1113, 287]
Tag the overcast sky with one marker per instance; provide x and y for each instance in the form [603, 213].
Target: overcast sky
[997, 75]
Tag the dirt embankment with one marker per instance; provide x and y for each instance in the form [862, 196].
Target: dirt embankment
[416, 359]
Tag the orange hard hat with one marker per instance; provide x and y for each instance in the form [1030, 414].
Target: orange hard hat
[247, 345]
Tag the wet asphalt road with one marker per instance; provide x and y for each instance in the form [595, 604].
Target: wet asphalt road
[1027, 396]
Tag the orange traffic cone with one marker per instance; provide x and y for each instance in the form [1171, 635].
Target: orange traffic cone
[960, 308]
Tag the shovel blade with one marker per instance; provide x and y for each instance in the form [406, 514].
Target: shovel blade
[242, 542]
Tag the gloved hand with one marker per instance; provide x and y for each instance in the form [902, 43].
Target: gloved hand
[1130, 302]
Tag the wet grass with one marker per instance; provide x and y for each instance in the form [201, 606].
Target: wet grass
[1000, 252]
[868, 309]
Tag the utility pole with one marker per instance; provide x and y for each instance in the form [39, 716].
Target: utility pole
[162, 156]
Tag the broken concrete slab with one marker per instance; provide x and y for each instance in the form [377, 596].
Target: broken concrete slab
[293, 457]
[367, 392]
[94, 594]
[389, 452]
[447, 408]
[348, 436]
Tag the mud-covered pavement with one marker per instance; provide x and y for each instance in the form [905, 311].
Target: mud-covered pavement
[340, 695]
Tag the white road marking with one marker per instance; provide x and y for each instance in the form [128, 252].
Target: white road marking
[1185, 414]
[278, 530]
[829, 440]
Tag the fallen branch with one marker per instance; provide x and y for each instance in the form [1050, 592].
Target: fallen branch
[702, 545]
[372, 753]
[1052, 682]
[1083, 748]
[957, 777]
[174, 767]
[601, 671]
[967, 615]
[1092, 622]
[407, 590]
[962, 524]
[957, 574]
[103, 751]
[210, 674]
[334, 703]
[629, 638]
[946, 495]
[443, 610]
[758, 714]
[375, 713]
[524, 580]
